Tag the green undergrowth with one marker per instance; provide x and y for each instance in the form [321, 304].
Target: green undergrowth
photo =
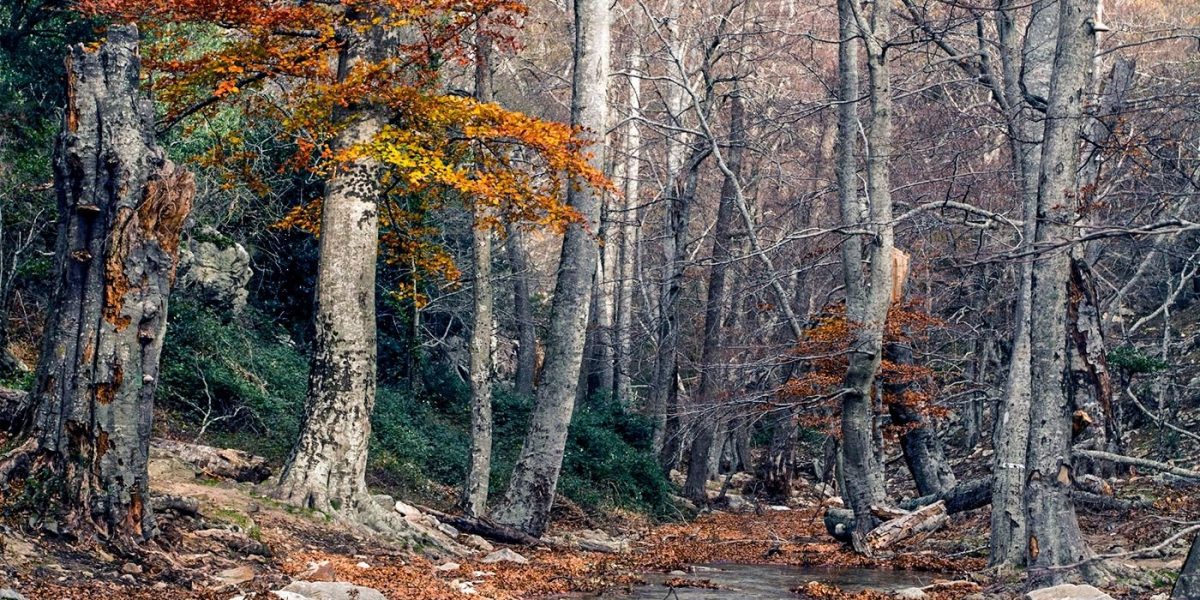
[243, 380]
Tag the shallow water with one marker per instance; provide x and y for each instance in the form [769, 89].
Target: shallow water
[771, 582]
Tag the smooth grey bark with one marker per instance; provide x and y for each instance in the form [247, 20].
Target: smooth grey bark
[1054, 538]
[778, 465]
[863, 472]
[1025, 71]
[715, 308]
[530, 495]
[518, 261]
[326, 470]
[479, 467]
[923, 452]
[122, 205]
[632, 149]
[1187, 587]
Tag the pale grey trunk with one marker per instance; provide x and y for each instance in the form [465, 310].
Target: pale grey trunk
[663, 392]
[1026, 69]
[121, 209]
[863, 472]
[518, 261]
[480, 465]
[326, 470]
[1054, 538]
[629, 233]
[530, 495]
[712, 374]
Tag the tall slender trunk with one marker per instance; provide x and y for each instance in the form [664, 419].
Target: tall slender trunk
[530, 493]
[629, 229]
[663, 389]
[1024, 70]
[1054, 538]
[1187, 587]
[479, 468]
[121, 207]
[327, 466]
[712, 373]
[863, 472]
[518, 261]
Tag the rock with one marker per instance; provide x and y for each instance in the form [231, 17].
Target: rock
[159, 585]
[131, 568]
[407, 511]
[289, 595]
[911, 593]
[363, 565]
[1162, 596]
[481, 574]
[447, 567]
[448, 530]
[323, 590]
[479, 543]
[505, 555]
[10, 594]
[779, 508]
[736, 503]
[215, 268]
[319, 571]
[1068, 592]
[235, 576]
[464, 587]
[677, 573]
[677, 477]
[739, 480]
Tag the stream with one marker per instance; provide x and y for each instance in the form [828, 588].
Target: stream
[770, 582]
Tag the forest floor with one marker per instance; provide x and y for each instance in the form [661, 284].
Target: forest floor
[243, 544]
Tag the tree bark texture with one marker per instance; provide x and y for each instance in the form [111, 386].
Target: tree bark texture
[326, 470]
[1054, 538]
[121, 207]
[712, 375]
[518, 261]
[623, 354]
[530, 494]
[479, 468]
[863, 472]
[1187, 587]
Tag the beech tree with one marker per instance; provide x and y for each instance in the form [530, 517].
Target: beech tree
[122, 206]
[530, 494]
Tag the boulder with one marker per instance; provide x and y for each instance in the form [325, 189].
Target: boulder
[234, 576]
[1068, 591]
[319, 571]
[447, 567]
[478, 543]
[215, 268]
[911, 593]
[10, 594]
[505, 555]
[325, 590]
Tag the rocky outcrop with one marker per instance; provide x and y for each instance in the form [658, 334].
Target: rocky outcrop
[216, 269]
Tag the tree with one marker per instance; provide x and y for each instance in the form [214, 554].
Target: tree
[1053, 532]
[122, 206]
[530, 494]
[867, 308]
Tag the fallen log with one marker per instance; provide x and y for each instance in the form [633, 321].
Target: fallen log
[965, 496]
[1138, 462]
[927, 519]
[223, 463]
[485, 528]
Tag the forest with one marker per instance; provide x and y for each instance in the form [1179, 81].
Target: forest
[645, 299]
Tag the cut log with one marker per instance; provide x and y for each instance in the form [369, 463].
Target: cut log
[925, 520]
[222, 463]
[1138, 462]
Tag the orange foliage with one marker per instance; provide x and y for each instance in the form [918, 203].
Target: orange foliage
[276, 60]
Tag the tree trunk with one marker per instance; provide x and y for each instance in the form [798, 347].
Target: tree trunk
[712, 374]
[778, 465]
[530, 495]
[923, 452]
[479, 468]
[326, 470]
[121, 207]
[1187, 587]
[518, 260]
[622, 359]
[1023, 70]
[863, 472]
[1053, 534]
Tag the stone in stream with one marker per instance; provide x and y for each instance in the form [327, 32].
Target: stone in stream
[1068, 592]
